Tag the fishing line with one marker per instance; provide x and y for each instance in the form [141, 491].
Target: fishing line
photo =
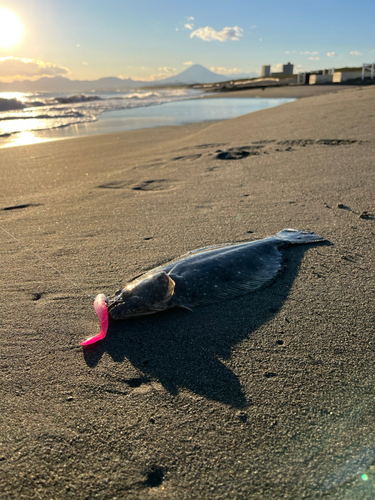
[47, 263]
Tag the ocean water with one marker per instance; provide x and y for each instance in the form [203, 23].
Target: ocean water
[27, 118]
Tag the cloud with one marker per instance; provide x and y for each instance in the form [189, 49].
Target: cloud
[165, 72]
[17, 67]
[310, 53]
[299, 68]
[355, 53]
[189, 25]
[331, 54]
[166, 69]
[277, 68]
[188, 63]
[253, 27]
[209, 34]
[314, 58]
[226, 71]
[157, 76]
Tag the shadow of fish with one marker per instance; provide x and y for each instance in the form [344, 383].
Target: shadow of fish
[203, 276]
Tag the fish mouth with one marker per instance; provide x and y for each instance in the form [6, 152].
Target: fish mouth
[115, 311]
[119, 297]
[114, 303]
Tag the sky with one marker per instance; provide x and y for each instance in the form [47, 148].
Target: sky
[154, 39]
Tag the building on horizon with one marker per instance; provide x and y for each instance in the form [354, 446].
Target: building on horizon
[288, 69]
[266, 70]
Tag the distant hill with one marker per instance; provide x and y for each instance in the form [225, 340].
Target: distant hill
[194, 74]
[62, 84]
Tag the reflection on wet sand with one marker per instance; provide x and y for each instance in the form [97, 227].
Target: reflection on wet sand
[23, 139]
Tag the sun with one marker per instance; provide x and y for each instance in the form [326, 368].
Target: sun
[10, 28]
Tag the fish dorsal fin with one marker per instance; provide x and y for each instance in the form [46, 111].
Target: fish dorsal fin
[172, 264]
[204, 249]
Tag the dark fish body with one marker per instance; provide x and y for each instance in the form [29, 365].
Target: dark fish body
[207, 275]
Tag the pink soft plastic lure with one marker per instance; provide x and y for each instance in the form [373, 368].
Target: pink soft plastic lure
[101, 309]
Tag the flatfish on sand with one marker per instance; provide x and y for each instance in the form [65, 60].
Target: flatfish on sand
[201, 277]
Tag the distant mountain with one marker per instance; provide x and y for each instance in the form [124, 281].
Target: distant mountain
[194, 74]
[200, 74]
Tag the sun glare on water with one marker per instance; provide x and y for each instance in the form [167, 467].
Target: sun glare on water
[10, 28]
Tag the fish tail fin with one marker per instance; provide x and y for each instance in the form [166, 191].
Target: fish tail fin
[296, 237]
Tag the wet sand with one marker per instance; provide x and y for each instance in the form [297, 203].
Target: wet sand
[266, 396]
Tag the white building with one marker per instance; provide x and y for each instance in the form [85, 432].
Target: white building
[266, 70]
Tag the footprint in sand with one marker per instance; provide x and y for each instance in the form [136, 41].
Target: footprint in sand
[187, 157]
[18, 207]
[149, 185]
[338, 142]
[204, 146]
[297, 142]
[114, 185]
[264, 141]
[324, 142]
[152, 185]
[237, 153]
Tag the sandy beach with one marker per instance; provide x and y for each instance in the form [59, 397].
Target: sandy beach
[291, 91]
[266, 396]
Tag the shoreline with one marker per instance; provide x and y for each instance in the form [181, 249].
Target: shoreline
[98, 127]
[269, 395]
[177, 113]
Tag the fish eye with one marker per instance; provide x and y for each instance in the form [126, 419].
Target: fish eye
[126, 293]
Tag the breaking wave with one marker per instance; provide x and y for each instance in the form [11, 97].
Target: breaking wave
[22, 112]
[14, 103]
[8, 104]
